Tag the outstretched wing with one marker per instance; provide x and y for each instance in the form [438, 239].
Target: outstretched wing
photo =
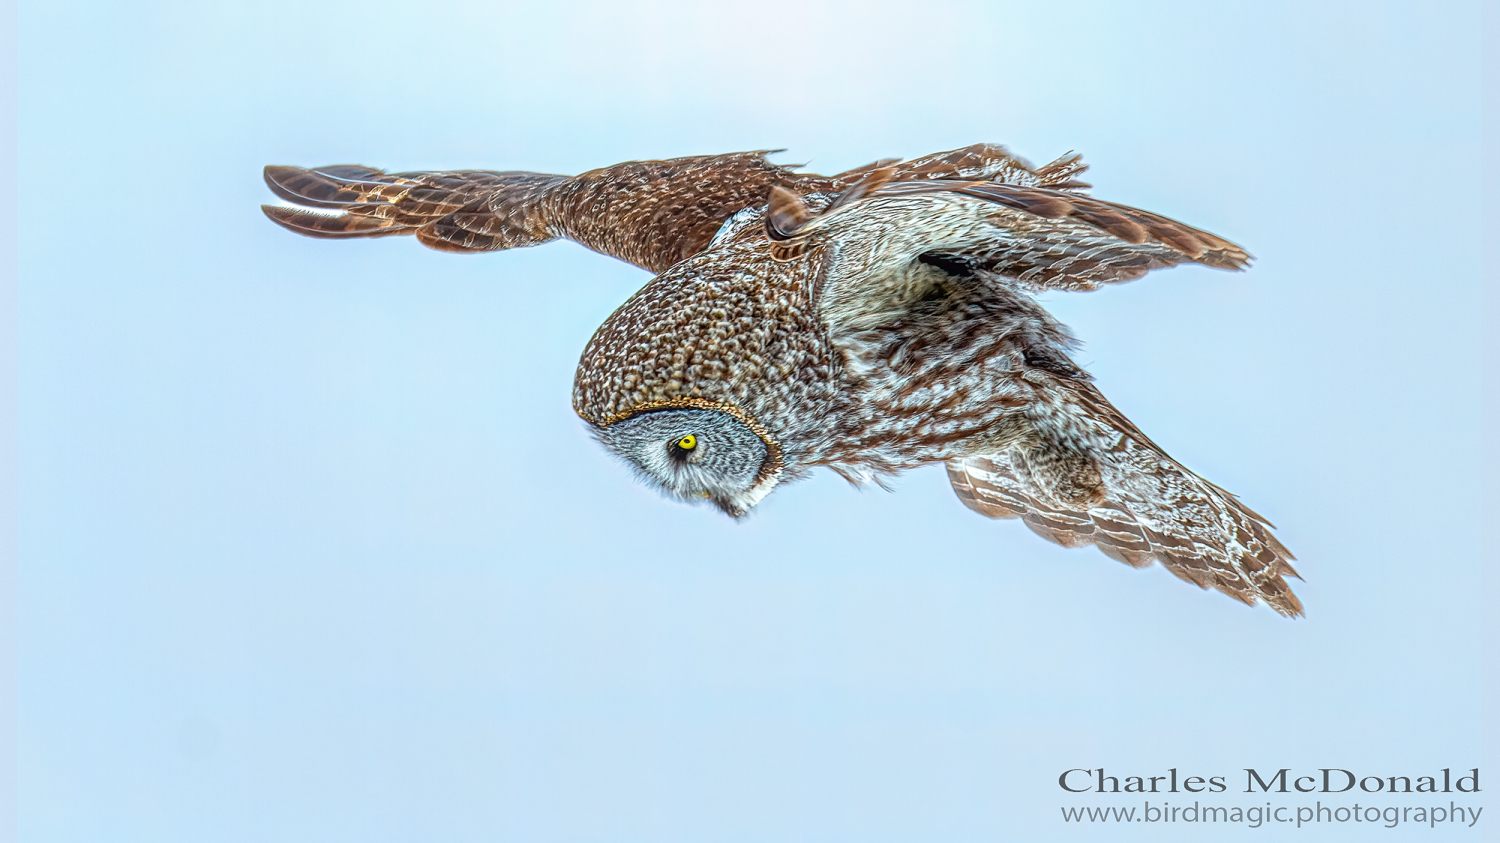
[880, 229]
[461, 211]
[649, 213]
[1153, 510]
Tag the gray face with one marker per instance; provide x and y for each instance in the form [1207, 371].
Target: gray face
[695, 455]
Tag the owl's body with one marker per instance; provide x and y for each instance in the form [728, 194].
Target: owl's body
[868, 322]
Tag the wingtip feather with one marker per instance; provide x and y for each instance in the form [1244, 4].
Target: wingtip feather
[330, 226]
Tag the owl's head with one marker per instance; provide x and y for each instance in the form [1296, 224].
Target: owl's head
[698, 454]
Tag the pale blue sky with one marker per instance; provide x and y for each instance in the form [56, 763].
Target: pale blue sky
[313, 547]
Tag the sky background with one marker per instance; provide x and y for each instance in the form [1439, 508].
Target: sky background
[314, 549]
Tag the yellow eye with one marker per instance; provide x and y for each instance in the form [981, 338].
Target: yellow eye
[688, 442]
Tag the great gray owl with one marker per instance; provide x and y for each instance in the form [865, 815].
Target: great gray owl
[871, 321]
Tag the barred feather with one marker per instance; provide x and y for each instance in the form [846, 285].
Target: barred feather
[1154, 510]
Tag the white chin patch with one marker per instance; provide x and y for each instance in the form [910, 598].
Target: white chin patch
[761, 489]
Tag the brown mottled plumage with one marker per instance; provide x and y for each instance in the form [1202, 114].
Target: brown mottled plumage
[870, 321]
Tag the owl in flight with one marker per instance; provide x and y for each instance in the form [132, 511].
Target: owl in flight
[870, 322]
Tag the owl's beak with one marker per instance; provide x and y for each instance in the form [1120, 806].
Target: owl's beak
[731, 508]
